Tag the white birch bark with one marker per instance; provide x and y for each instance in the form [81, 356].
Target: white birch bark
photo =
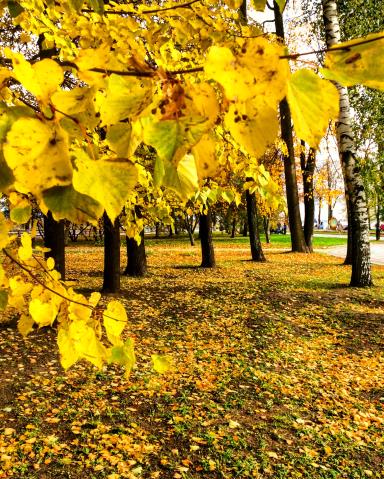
[356, 197]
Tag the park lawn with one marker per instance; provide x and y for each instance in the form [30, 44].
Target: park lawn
[278, 372]
[277, 241]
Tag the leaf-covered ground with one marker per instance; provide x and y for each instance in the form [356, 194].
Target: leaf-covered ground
[278, 373]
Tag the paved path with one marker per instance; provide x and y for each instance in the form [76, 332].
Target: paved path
[377, 252]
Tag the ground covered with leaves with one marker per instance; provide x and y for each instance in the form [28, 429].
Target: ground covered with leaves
[278, 372]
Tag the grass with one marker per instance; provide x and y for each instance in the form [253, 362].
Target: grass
[277, 241]
[278, 374]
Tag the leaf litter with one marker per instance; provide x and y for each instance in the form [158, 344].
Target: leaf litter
[277, 372]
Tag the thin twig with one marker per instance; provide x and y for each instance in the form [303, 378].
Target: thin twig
[41, 283]
[143, 12]
[345, 48]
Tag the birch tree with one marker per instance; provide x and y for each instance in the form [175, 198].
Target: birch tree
[356, 197]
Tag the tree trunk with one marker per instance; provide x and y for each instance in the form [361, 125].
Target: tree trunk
[254, 237]
[205, 233]
[111, 283]
[245, 229]
[189, 229]
[348, 256]
[266, 229]
[233, 231]
[157, 230]
[308, 169]
[54, 238]
[295, 226]
[361, 260]
[136, 257]
[378, 220]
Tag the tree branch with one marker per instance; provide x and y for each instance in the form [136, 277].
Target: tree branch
[144, 12]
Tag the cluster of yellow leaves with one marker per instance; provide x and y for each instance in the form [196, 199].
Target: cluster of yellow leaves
[71, 126]
[42, 298]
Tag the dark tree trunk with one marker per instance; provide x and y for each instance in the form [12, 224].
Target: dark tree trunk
[233, 231]
[205, 233]
[378, 221]
[245, 229]
[54, 238]
[308, 169]
[266, 229]
[157, 230]
[295, 226]
[190, 230]
[111, 283]
[254, 237]
[136, 257]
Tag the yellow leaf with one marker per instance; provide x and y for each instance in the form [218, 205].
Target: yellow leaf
[253, 127]
[68, 353]
[115, 320]
[183, 179]
[18, 286]
[327, 450]
[46, 147]
[204, 153]
[235, 4]
[25, 325]
[126, 97]
[41, 79]
[353, 64]
[50, 263]
[25, 251]
[44, 314]
[313, 103]
[86, 343]
[252, 72]
[109, 182]
[272, 454]
[5, 228]
[73, 101]
[161, 363]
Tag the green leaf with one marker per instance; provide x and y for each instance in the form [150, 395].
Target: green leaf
[66, 203]
[159, 172]
[97, 5]
[21, 215]
[161, 363]
[124, 355]
[182, 178]
[357, 64]
[6, 175]
[281, 4]
[259, 5]
[76, 4]
[15, 9]
[3, 299]
[173, 138]
[126, 97]
[313, 103]
[107, 181]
